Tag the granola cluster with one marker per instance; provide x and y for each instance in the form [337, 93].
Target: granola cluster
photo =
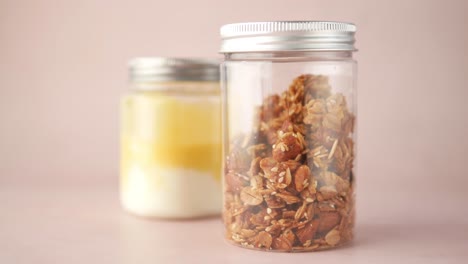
[289, 183]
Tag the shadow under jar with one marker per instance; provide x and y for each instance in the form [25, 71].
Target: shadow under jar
[288, 132]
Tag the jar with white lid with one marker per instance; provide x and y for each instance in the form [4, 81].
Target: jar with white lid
[171, 139]
[289, 89]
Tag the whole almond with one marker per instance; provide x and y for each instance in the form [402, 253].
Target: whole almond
[263, 240]
[307, 232]
[328, 220]
[281, 243]
[287, 147]
[302, 174]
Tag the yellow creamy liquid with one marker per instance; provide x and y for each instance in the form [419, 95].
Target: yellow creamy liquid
[170, 132]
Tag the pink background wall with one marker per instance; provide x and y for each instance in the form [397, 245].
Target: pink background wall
[63, 68]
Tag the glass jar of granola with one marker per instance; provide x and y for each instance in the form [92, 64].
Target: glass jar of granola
[290, 106]
[171, 139]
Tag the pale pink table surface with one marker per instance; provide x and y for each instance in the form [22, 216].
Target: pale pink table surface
[82, 224]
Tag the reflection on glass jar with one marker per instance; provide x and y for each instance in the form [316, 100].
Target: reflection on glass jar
[171, 139]
[289, 134]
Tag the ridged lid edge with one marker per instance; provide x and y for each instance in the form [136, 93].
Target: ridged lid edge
[287, 36]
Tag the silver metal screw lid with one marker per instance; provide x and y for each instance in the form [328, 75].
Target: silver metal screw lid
[287, 36]
[161, 69]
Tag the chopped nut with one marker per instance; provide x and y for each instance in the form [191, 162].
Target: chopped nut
[238, 161]
[328, 220]
[288, 147]
[308, 232]
[286, 223]
[302, 175]
[234, 182]
[274, 202]
[274, 229]
[263, 240]
[289, 214]
[281, 243]
[292, 165]
[289, 235]
[259, 220]
[267, 164]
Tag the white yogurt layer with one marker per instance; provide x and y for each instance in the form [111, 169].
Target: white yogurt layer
[171, 193]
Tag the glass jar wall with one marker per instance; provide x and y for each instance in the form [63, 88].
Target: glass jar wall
[171, 139]
[289, 116]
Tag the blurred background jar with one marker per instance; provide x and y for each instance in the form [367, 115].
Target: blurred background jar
[171, 139]
[289, 135]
